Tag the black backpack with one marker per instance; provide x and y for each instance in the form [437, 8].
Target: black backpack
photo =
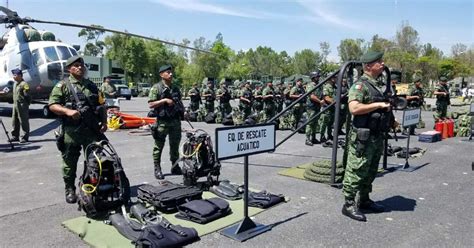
[167, 196]
[103, 185]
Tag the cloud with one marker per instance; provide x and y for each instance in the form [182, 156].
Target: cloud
[321, 15]
[197, 6]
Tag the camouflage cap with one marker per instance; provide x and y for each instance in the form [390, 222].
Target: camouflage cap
[371, 56]
[417, 78]
[314, 74]
[165, 68]
[73, 59]
[443, 79]
[17, 72]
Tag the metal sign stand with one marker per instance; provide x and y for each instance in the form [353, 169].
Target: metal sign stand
[246, 229]
[411, 117]
[407, 154]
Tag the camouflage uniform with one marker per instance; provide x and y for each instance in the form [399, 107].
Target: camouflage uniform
[299, 108]
[270, 105]
[20, 113]
[417, 103]
[108, 90]
[327, 118]
[279, 97]
[168, 122]
[362, 167]
[258, 101]
[312, 109]
[77, 133]
[224, 100]
[245, 107]
[209, 104]
[442, 102]
[195, 99]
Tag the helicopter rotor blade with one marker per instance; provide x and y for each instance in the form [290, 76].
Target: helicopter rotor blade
[123, 33]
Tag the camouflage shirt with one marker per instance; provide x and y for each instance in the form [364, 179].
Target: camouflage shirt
[316, 93]
[84, 88]
[108, 90]
[157, 90]
[194, 94]
[360, 92]
[209, 91]
[268, 91]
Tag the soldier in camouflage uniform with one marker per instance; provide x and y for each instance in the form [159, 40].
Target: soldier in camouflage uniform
[195, 98]
[108, 89]
[286, 94]
[415, 98]
[165, 99]
[299, 108]
[365, 144]
[258, 99]
[442, 99]
[224, 96]
[83, 123]
[279, 96]
[21, 103]
[209, 96]
[269, 101]
[246, 98]
[313, 106]
[327, 118]
[343, 112]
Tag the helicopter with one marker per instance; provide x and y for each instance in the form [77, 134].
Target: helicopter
[40, 56]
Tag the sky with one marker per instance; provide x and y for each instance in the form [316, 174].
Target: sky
[282, 25]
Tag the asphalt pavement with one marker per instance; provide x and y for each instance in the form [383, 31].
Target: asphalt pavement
[430, 206]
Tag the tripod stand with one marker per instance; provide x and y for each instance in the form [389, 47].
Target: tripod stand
[6, 132]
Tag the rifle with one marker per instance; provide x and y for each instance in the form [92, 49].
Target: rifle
[396, 102]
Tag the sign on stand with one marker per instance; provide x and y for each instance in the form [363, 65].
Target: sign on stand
[411, 117]
[242, 141]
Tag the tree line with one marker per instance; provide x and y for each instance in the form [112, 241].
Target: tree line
[142, 58]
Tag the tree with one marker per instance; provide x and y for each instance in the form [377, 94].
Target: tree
[94, 46]
[306, 61]
[407, 39]
[350, 49]
[380, 44]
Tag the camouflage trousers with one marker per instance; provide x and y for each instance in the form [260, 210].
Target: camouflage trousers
[246, 110]
[75, 140]
[225, 109]
[312, 125]
[269, 112]
[298, 111]
[327, 121]
[441, 111]
[361, 168]
[20, 118]
[194, 106]
[163, 129]
[209, 106]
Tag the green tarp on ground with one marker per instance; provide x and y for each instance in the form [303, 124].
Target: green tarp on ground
[296, 172]
[99, 234]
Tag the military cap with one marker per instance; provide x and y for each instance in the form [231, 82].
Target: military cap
[17, 72]
[394, 77]
[417, 78]
[371, 56]
[443, 78]
[73, 59]
[165, 68]
[314, 74]
[299, 79]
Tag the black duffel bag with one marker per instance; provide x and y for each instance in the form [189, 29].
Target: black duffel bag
[204, 211]
[210, 118]
[168, 196]
[166, 235]
[264, 199]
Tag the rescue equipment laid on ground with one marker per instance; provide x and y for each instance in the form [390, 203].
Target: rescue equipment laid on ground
[103, 185]
[167, 196]
[204, 211]
[116, 120]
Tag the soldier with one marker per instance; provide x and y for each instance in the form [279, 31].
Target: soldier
[313, 106]
[327, 118]
[224, 96]
[246, 98]
[21, 103]
[295, 93]
[108, 89]
[366, 141]
[415, 97]
[257, 95]
[286, 94]
[80, 105]
[165, 99]
[209, 96]
[442, 99]
[268, 96]
[195, 96]
[343, 112]
[279, 96]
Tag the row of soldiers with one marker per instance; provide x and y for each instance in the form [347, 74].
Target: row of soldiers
[271, 99]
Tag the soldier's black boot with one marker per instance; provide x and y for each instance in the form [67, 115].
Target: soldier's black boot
[176, 170]
[158, 172]
[308, 141]
[351, 210]
[372, 206]
[71, 197]
[314, 140]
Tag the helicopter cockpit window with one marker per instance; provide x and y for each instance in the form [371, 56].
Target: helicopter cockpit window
[51, 54]
[37, 59]
[63, 53]
[25, 60]
[74, 52]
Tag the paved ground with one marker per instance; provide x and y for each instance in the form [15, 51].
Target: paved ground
[429, 207]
